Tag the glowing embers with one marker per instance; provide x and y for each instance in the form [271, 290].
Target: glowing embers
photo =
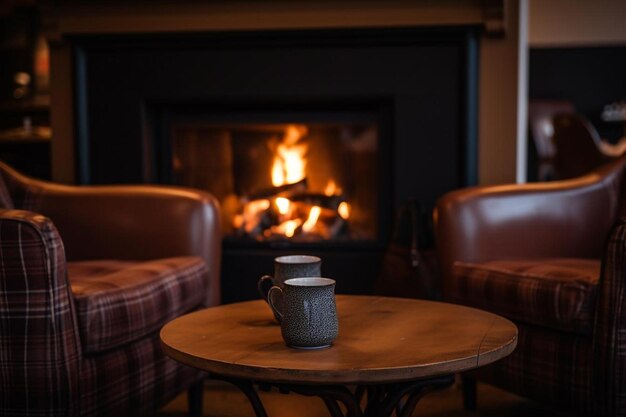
[292, 209]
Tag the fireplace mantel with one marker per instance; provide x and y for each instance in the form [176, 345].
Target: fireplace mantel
[74, 17]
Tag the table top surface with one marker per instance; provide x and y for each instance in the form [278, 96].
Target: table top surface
[380, 340]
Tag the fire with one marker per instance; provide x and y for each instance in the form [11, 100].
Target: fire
[314, 214]
[287, 228]
[344, 210]
[294, 210]
[283, 205]
[331, 188]
[289, 164]
[251, 213]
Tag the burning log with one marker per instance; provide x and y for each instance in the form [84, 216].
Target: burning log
[330, 202]
[255, 217]
[285, 190]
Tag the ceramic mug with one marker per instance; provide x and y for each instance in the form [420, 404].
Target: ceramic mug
[307, 311]
[286, 267]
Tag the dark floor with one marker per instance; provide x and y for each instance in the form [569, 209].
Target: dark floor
[223, 400]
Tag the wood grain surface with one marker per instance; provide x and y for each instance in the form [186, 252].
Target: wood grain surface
[380, 340]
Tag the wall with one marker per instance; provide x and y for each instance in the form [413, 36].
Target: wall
[578, 54]
[576, 23]
[502, 83]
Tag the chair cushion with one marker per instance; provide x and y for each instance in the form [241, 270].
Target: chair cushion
[555, 293]
[118, 302]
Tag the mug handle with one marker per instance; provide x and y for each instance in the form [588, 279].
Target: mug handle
[275, 290]
[263, 287]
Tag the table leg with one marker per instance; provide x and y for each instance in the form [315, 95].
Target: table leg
[247, 387]
[332, 395]
[382, 400]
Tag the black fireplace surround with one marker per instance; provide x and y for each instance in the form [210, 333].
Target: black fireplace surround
[419, 83]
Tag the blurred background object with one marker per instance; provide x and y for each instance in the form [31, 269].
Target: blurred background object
[542, 148]
[564, 143]
[25, 132]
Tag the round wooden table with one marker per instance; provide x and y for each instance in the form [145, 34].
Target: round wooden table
[392, 350]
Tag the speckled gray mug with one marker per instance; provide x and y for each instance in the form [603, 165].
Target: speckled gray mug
[308, 313]
[287, 267]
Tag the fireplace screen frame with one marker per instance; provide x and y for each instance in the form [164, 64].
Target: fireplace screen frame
[377, 111]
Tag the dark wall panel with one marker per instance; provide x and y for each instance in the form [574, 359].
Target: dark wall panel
[590, 77]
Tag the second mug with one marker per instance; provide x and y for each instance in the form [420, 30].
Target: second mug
[287, 267]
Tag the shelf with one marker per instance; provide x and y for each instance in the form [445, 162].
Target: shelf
[35, 104]
[22, 135]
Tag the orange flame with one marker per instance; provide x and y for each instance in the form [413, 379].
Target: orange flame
[344, 210]
[314, 214]
[287, 228]
[289, 164]
[330, 189]
[283, 204]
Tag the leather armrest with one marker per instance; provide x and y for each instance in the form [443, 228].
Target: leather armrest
[135, 223]
[557, 219]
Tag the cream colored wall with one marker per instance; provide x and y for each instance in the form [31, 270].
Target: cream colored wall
[500, 89]
[498, 63]
[562, 23]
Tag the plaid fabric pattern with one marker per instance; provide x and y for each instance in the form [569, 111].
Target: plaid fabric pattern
[39, 344]
[609, 342]
[549, 366]
[118, 302]
[133, 381]
[556, 293]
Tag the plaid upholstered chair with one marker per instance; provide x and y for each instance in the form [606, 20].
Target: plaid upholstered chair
[552, 258]
[88, 276]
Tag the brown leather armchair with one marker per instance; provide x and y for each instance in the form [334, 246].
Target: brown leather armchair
[88, 277]
[538, 254]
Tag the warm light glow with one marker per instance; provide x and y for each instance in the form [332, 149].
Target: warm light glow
[331, 188]
[293, 133]
[283, 205]
[344, 210]
[237, 221]
[291, 226]
[278, 173]
[255, 206]
[314, 214]
[289, 164]
[252, 214]
[287, 228]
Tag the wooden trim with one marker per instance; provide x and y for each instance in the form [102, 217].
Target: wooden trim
[150, 17]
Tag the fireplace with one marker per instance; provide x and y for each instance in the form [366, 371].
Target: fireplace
[298, 178]
[309, 139]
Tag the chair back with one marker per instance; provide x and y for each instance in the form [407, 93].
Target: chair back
[540, 114]
[577, 146]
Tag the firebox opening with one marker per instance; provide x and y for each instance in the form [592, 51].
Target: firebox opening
[288, 182]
